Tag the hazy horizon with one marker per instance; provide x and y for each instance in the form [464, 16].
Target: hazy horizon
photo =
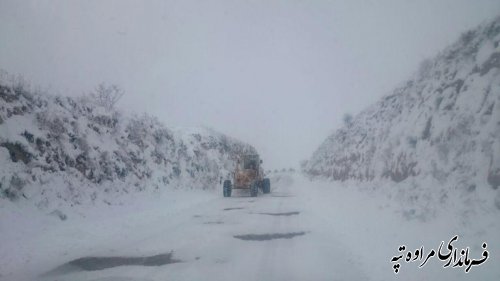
[279, 75]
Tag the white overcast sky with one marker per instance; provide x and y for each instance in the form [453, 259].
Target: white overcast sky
[277, 74]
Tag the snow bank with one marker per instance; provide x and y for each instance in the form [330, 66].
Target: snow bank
[435, 140]
[61, 152]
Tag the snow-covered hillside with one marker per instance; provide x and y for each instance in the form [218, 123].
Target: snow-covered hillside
[65, 151]
[436, 136]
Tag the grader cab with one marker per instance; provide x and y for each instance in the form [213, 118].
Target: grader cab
[249, 175]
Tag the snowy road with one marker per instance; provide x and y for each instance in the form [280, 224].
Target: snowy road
[301, 231]
[271, 237]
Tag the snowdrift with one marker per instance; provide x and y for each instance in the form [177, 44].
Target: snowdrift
[435, 138]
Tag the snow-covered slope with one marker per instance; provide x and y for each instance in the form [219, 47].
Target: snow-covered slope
[439, 132]
[66, 151]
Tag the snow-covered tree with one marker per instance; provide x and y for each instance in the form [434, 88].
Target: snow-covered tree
[107, 95]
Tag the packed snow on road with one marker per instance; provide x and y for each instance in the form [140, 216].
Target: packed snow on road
[302, 230]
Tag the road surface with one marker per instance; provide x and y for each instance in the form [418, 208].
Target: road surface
[286, 235]
[303, 230]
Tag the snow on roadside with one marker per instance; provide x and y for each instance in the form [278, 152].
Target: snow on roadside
[33, 242]
[370, 225]
[435, 139]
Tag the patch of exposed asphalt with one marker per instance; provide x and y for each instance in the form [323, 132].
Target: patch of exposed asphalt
[268, 236]
[100, 263]
[235, 208]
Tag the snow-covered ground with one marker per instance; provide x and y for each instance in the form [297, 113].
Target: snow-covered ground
[321, 231]
[58, 151]
[435, 138]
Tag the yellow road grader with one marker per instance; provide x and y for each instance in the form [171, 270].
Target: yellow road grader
[249, 175]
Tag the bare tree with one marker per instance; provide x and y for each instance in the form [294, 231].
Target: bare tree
[107, 95]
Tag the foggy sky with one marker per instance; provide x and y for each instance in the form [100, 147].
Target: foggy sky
[277, 74]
